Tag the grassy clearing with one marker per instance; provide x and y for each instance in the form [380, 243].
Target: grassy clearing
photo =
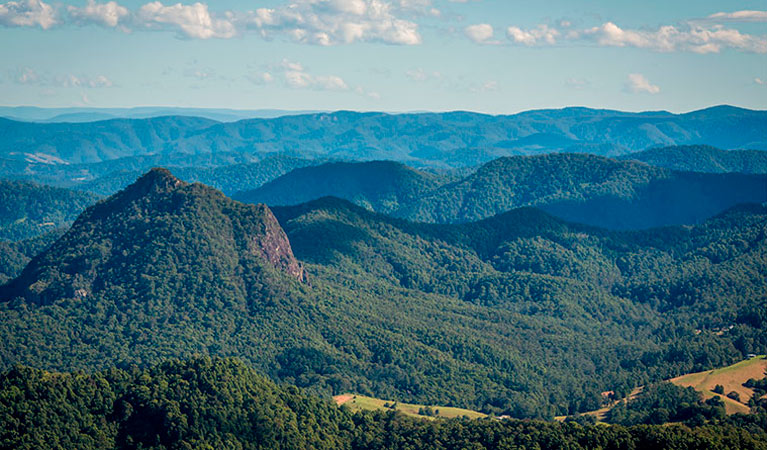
[361, 402]
[731, 378]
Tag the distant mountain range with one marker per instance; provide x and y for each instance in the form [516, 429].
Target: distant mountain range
[84, 114]
[454, 139]
[577, 187]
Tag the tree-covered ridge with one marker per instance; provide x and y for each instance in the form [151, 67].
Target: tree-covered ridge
[577, 187]
[221, 403]
[391, 308]
[29, 209]
[382, 186]
[455, 139]
[703, 158]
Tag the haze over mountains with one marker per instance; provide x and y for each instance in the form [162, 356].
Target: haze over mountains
[453, 139]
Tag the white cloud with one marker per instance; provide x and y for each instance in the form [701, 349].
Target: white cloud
[487, 86]
[192, 21]
[577, 83]
[69, 80]
[638, 83]
[330, 22]
[27, 13]
[322, 22]
[760, 82]
[480, 33]
[542, 34]
[740, 16]
[27, 75]
[669, 38]
[295, 76]
[107, 14]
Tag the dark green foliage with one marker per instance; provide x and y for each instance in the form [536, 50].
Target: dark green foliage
[718, 389]
[382, 186]
[29, 209]
[221, 403]
[703, 158]
[577, 187]
[201, 403]
[496, 315]
[14, 256]
[665, 402]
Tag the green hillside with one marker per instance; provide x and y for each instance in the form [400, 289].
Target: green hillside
[29, 209]
[703, 158]
[520, 314]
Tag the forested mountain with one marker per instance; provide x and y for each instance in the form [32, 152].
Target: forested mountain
[30, 209]
[388, 307]
[578, 187]
[204, 403]
[453, 139]
[383, 186]
[703, 158]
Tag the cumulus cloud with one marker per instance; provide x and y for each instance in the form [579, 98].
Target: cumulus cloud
[295, 76]
[542, 34]
[637, 83]
[740, 16]
[106, 14]
[760, 82]
[322, 22]
[669, 38]
[26, 75]
[27, 13]
[329, 22]
[192, 21]
[480, 33]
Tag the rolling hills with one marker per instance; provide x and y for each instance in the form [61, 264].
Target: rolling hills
[577, 187]
[386, 307]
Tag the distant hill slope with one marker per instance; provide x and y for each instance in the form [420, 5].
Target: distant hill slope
[14, 256]
[703, 158]
[227, 178]
[382, 186]
[578, 187]
[452, 139]
[93, 141]
[30, 209]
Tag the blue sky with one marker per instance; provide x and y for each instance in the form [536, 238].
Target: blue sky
[392, 55]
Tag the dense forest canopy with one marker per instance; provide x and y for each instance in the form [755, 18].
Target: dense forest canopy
[391, 308]
[215, 403]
